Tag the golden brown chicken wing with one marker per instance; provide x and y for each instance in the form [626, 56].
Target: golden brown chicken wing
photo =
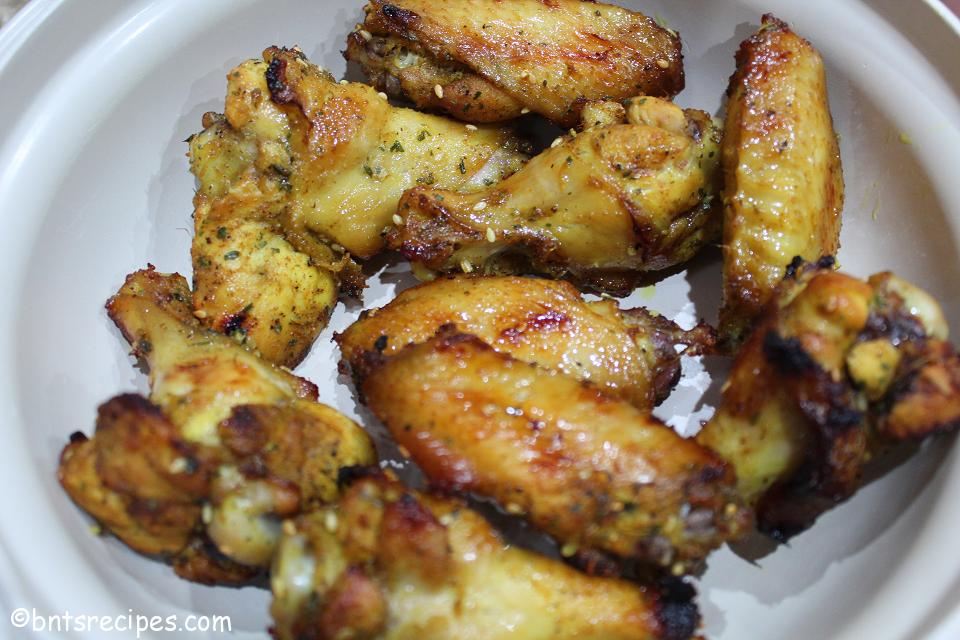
[837, 370]
[589, 469]
[783, 182]
[388, 563]
[226, 447]
[299, 174]
[632, 354]
[484, 61]
[629, 195]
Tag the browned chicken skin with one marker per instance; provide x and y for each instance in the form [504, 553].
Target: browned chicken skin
[300, 175]
[837, 371]
[632, 354]
[227, 445]
[591, 470]
[484, 61]
[389, 563]
[783, 181]
[631, 194]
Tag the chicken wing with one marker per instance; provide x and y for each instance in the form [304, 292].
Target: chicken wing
[783, 181]
[629, 195]
[226, 446]
[299, 174]
[483, 61]
[591, 470]
[389, 563]
[837, 371]
[632, 354]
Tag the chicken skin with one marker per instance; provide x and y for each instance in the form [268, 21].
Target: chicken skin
[633, 193]
[300, 175]
[389, 563]
[227, 444]
[783, 181]
[838, 371]
[486, 61]
[632, 354]
[589, 469]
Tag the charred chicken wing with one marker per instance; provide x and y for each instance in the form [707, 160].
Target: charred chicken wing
[632, 193]
[783, 182]
[837, 371]
[388, 563]
[299, 174]
[225, 447]
[632, 354]
[590, 469]
[484, 61]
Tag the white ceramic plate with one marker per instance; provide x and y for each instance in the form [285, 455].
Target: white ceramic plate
[95, 101]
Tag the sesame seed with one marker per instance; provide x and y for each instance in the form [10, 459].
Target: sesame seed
[663, 64]
[206, 514]
[330, 521]
[569, 549]
[96, 529]
[200, 313]
[446, 519]
[491, 235]
[403, 451]
[397, 220]
[514, 509]
[556, 143]
[677, 569]
[480, 206]
[524, 74]
[471, 127]
[366, 35]
[382, 95]
[573, 133]
[730, 510]
[344, 82]
[525, 110]
[465, 266]
[178, 465]
[437, 89]
[289, 528]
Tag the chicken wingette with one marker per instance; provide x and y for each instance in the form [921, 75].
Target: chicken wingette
[389, 563]
[783, 181]
[837, 371]
[299, 175]
[227, 444]
[591, 470]
[632, 193]
[484, 61]
[632, 354]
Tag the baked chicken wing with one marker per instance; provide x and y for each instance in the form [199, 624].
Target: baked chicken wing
[783, 181]
[632, 193]
[484, 61]
[388, 563]
[632, 354]
[299, 174]
[590, 469]
[226, 446]
[837, 371]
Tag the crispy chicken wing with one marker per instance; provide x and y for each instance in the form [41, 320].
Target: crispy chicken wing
[592, 470]
[299, 174]
[837, 370]
[632, 354]
[484, 61]
[226, 446]
[389, 563]
[783, 182]
[629, 195]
